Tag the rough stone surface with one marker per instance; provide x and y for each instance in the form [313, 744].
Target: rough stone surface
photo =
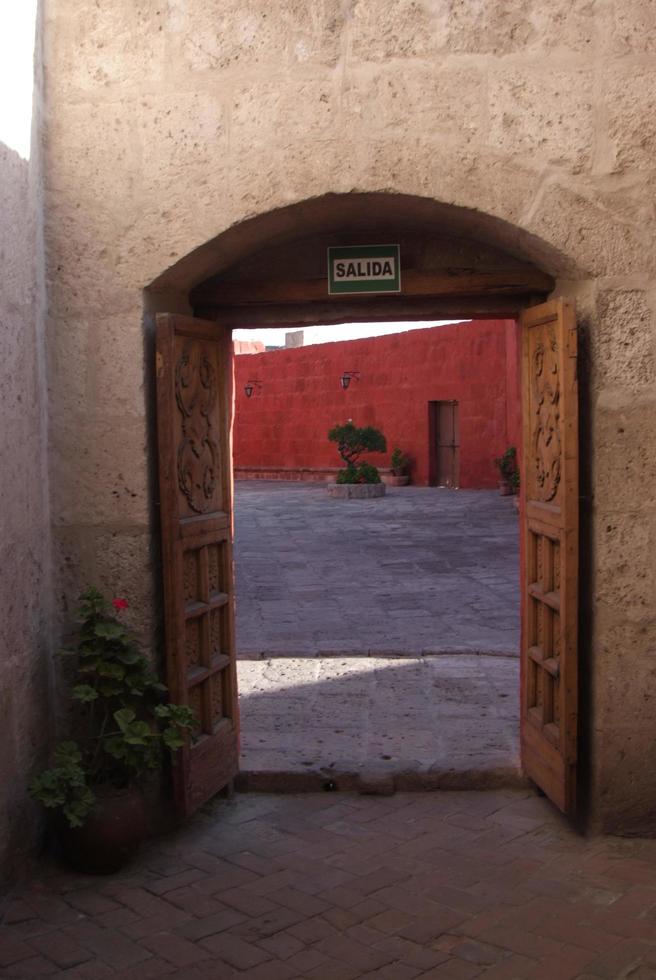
[430, 722]
[356, 491]
[624, 343]
[422, 571]
[25, 573]
[337, 885]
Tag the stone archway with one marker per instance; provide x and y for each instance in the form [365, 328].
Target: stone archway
[448, 274]
[595, 247]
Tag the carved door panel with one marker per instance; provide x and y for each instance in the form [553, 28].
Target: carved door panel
[194, 411]
[550, 502]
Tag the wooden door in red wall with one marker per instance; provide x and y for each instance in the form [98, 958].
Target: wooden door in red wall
[444, 444]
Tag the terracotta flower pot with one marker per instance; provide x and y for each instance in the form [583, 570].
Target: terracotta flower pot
[111, 834]
[505, 488]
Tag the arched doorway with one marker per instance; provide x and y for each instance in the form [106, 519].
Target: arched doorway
[272, 270]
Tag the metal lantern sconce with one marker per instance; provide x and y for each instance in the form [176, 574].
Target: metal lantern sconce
[345, 379]
[251, 386]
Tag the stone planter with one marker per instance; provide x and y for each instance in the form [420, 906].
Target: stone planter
[395, 481]
[356, 491]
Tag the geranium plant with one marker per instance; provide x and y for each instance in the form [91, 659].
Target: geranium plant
[122, 724]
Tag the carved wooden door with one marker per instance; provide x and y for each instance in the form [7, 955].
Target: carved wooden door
[194, 411]
[550, 503]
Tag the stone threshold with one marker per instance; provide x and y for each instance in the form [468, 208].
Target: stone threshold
[316, 653]
[379, 783]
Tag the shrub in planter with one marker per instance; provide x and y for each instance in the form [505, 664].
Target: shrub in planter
[121, 730]
[364, 473]
[352, 441]
[508, 472]
[400, 464]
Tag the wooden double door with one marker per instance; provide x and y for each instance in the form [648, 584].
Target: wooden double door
[195, 409]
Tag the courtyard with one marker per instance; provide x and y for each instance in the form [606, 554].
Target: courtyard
[378, 640]
[422, 571]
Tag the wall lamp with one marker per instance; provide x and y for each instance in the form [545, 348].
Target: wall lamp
[345, 379]
[251, 386]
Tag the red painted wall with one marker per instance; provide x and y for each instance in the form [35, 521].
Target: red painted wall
[285, 423]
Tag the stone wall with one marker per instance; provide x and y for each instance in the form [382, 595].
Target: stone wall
[25, 581]
[532, 124]
[284, 424]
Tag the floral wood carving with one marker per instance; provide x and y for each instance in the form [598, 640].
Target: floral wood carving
[198, 455]
[546, 438]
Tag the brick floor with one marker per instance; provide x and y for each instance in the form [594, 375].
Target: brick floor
[335, 885]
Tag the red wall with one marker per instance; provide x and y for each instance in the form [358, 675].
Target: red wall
[285, 423]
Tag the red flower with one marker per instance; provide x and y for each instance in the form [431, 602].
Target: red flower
[119, 604]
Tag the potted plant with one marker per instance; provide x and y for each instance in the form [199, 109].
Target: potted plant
[121, 729]
[507, 466]
[400, 464]
[352, 441]
[514, 483]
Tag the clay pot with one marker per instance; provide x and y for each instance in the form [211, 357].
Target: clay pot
[111, 834]
[394, 480]
[505, 488]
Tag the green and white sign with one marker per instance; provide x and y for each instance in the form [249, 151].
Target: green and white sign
[364, 269]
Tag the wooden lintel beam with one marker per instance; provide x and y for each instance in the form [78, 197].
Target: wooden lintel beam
[371, 309]
[448, 283]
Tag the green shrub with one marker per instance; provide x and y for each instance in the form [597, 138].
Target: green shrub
[352, 441]
[364, 473]
[507, 464]
[399, 462]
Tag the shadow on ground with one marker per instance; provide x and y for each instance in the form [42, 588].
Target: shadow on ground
[421, 723]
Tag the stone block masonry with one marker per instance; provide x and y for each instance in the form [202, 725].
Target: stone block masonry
[182, 137]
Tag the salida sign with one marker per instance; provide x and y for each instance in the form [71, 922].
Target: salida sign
[364, 269]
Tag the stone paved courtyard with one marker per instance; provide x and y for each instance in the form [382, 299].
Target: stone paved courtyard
[424, 722]
[332, 886]
[422, 570]
[340, 605]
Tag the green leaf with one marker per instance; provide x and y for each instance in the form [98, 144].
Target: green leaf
[84, 692]
[67, 753]
[124, 718]
[116, 747]
[172, 738]
[109, 631]
[128, 656]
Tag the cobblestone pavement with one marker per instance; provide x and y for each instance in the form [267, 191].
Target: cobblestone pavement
[333, 886]
[421, 570]
[426, 721]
